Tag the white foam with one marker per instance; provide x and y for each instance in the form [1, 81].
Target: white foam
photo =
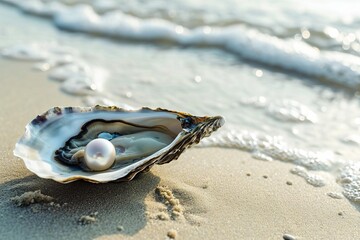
[32, 52]
[261, 156]
[251, 44]
[290, 110]
[287, 110]
[85, 83]
[311, 178]
[46, 52]
[273, 147]
[350, 181]
[61, 73]
[38, 7]
[335, 195]
[104, 5]
[259, 102]
[353, 139]
[77, 76]
[347, 173]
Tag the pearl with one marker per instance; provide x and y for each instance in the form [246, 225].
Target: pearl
[99, 154]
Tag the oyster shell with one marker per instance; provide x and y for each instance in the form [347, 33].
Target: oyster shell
[53, 144]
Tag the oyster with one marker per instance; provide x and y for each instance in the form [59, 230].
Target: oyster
[55, 143]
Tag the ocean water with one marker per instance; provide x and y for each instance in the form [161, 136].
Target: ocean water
[285, 75]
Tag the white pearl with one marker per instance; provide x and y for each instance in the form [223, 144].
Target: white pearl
[99, 154]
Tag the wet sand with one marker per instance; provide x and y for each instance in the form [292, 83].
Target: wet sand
[208, 193]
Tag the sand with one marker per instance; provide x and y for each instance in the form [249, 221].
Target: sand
[29, 198]
[208, 193]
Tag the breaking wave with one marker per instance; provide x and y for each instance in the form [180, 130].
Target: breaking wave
[287, 54]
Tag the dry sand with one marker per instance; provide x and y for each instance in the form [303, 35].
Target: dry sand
[207, 194]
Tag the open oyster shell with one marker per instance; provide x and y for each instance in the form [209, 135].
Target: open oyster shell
[52, 139]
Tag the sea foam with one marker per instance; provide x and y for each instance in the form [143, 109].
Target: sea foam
[309, 164]
[78, 77]
[286, 110]
[288, 54]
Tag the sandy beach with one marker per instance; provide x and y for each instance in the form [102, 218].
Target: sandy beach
[208, 193]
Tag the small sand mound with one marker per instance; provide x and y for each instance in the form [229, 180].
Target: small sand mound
[88, 219]
[28, 198]
[166, 196]
[172, 234]
[162, 216]
[289, 237]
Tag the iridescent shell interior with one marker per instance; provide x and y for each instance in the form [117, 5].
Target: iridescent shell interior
[52, 144]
